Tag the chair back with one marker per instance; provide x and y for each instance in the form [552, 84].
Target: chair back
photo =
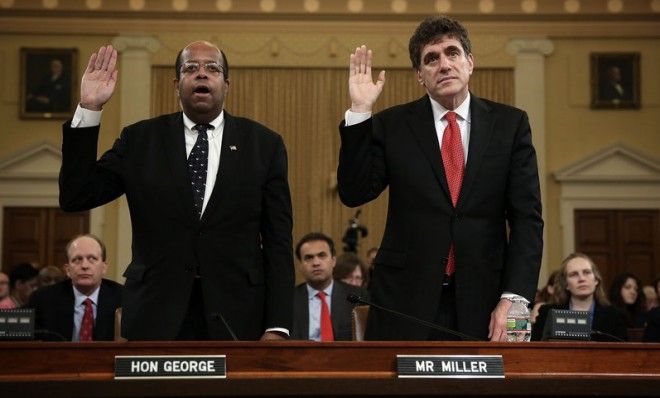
[118, 326]
[359, 316]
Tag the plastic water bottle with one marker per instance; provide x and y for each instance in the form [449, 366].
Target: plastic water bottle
[518, 325]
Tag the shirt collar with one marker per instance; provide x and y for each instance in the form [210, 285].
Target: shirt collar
[439, 111]
[311, 292]
[217, 122]
[79, 297]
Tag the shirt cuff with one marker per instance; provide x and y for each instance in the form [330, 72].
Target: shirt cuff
[85, 118]
[281, 330]
[352, 118]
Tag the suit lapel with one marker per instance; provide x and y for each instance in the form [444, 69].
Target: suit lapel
[481, 130]
[338, 305]
[302, 304]
[102, 320]
[422, 125]
[175, 147]
[65, 310]
[233, 144]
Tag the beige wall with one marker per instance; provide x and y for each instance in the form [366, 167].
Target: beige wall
[573, 130]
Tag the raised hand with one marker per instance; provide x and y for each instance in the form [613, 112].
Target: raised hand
[361, 87]
[99, 80]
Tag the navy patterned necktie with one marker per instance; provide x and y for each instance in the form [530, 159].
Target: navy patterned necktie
[197, 164]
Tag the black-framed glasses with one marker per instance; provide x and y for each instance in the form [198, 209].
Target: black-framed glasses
[191, 67]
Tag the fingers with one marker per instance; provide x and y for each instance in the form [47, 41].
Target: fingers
[104, 60]
[91, 63]
[110, 54]
[360, 61]
[99, 58]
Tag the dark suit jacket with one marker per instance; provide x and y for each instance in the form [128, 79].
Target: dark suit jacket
[241, 246]
[53, 307]
[652, 329]
[340, 311]
[607, 319]
[398, 148]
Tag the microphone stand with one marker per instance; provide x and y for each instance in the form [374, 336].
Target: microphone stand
[355, 299]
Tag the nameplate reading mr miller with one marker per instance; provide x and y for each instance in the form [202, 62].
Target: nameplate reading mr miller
[450, 366]
[170, 367]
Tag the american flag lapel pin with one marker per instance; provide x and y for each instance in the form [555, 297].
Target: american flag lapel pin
[233, 148]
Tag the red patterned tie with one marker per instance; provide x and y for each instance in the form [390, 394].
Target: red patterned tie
[454, 162]
[326, 321]
[87, 324]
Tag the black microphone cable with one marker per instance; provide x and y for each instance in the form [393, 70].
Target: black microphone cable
[355, 299]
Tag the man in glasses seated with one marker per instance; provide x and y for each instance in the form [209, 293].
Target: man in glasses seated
[209, 202]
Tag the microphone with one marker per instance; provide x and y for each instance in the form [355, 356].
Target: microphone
[231, 332]
[46, 332]
[355, 299]
[611, 336]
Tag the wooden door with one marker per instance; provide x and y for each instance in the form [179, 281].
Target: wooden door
[39, 235]
[620, 240]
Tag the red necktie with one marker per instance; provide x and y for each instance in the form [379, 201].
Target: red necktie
[326, 321]
[454, 163]
[87, 324]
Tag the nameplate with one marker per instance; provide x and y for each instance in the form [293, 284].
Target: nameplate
[450, 366]
[170, 367]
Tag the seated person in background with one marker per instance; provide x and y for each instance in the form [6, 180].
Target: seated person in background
[320, 309]
[371, 256]
[4, 285]
[652, 329]
[651, 297]
[50, 275]
[23, 280]
[579, 287]
[626, 294]
[81, 308]
[350, 269]
[544, 297]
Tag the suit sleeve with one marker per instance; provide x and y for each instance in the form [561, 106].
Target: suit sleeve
[362, 172]
[276, 235]
[523, 212]
[86, 183]
[539, 325]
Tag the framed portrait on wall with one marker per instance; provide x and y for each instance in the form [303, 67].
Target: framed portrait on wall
[48, 81]
[615, 81]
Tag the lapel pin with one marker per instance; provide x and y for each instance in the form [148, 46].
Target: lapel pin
[233, 148]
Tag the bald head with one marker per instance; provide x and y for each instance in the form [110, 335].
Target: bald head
[198, 44]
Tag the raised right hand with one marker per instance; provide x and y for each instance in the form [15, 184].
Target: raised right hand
[99, 80]
[361, 87]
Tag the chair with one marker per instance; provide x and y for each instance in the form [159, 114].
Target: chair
[359, 316]
[118, 326]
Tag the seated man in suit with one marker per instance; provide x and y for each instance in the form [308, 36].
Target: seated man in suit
[81, 308]
[321, 311]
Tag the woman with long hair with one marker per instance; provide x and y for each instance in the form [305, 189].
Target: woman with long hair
[579, 287]
[627, 295]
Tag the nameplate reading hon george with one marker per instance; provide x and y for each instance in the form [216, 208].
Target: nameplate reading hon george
[450, 366]
[170, 367]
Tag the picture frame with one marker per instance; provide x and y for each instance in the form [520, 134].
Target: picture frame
[48, 82]
[615, 80]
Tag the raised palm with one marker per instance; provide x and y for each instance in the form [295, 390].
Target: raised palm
[100, 78]
[361, 87]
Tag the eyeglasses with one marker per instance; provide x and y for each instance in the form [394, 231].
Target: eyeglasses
[213, 68]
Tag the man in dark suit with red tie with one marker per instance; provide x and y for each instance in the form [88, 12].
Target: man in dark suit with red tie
[320, 309]
[209, 202]
[81, 308]
[464, 230]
